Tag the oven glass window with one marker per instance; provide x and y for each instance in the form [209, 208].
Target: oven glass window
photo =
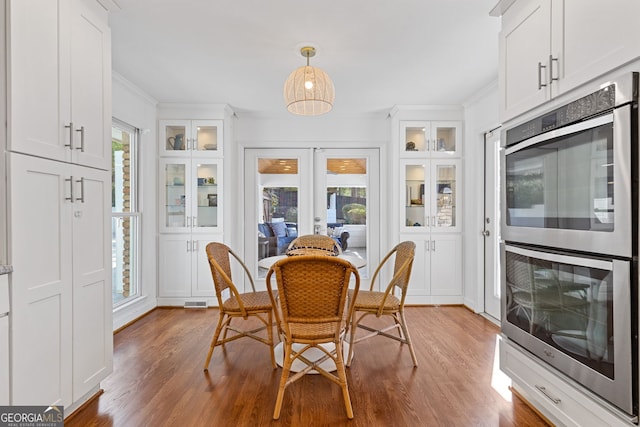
[564, 183]
[567, 306]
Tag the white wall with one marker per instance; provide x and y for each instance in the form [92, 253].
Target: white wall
[481, 115]
[137, 109]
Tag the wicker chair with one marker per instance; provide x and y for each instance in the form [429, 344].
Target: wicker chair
[238, 305]
[312, 293]
[386, 303]
[314, 244]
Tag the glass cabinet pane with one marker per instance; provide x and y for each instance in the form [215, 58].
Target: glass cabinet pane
[445, 139]
[175, 196]
[445, 209]
[415, 196]
[206, 138]
[207, 195]
[415, 138]
[175, 137]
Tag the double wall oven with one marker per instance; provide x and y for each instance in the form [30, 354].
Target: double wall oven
[570, 231]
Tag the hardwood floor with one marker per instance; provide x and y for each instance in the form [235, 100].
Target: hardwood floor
[158, 378]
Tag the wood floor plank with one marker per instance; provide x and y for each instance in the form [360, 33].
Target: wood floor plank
[158, 378]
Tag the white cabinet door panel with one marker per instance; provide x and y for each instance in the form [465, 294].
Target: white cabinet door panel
[175, 265]
[4, 361]
[446, 265]
[41, 281]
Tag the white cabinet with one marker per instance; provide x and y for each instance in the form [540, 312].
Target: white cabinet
[189, 196]
[436, 139]
[4, 340]
[191, 138]
[436, 276]
[184, 268]
[431, 195]
[61, 284]
[429, 211]
[548, 47]
[59, 80]
[191, 206]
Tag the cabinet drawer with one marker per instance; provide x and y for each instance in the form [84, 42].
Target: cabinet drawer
[562, 402]
[4, 293]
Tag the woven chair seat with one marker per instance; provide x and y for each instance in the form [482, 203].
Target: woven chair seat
[371, 300]
[313, 331]
[252, 301]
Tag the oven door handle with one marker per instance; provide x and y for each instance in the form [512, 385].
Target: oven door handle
[587, 124]
[565, 259]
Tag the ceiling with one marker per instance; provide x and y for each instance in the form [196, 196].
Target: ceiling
[240, 52]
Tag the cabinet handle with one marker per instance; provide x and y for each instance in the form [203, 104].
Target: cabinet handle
[70, 127]
[81, 198]
[433, 245]
[551, 61]
[194, 246]
[544, 391]
[188, 221]
[81, 130]
[188, 246]
[194, 221]
[70, 181]
[433, 221]
[540, 67]
[427, 246]
[434, 145]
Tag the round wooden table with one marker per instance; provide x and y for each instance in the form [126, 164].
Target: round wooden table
[356, 261]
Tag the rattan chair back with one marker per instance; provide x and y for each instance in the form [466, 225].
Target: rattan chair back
[314, 244]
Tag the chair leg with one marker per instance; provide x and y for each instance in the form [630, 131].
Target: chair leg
[405, 332]
[214, 340]
[352, 337]
[342, 375]
[270, 335]
[286, 366]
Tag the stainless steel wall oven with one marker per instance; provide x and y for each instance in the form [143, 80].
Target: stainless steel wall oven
[570, 230]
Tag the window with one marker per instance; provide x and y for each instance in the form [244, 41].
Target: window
[125, 216]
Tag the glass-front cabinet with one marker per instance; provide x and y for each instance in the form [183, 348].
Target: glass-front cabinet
[430, 138]
[431, 196]
[191, 138]
[189, 196]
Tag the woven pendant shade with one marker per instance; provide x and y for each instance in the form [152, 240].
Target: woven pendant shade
[309, 91]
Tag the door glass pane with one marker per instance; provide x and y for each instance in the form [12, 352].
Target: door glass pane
[207, 176]
[415, 197]
[175, 137]
[278, 215]
[445, 139]
[206, 138]
[175, 209]
[347, 204]
[446, 196]
[415, 138]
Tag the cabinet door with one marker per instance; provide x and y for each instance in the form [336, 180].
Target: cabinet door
[4, 360]
[90, 84]
[525, 42]
[446, 139]
[415, 138]
[445, 195]
[38, 62]
[206, 138]
[174, 136]
[415, 202]
[174, 262]
[41, 248]
[584, 52]
[92, 307]
[202, 282]
[419, 283]
[205, 197]
[175, 195]
[446, 265]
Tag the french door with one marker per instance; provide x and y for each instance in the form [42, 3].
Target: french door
[292, 192]
[492, 224]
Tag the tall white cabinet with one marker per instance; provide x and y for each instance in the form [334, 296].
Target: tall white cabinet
[59, 92]
[191, 208]
[429, 163]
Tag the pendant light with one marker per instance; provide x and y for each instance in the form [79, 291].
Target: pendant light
[309, 91]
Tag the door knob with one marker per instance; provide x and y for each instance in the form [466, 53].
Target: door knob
[486, 233]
